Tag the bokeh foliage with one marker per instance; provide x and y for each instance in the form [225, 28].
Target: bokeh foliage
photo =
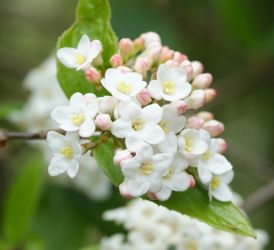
[235, 41]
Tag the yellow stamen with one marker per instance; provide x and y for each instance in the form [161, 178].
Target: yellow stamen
[188, 144]
[164, 126]
[215, 183]
[169, 174]
[206, 156]
[67, 151]
[78, 120]
[146, 169]
[124, 88]
[138, 124]
[80, 59]
[168, 87]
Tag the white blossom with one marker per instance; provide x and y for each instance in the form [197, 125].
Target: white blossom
[171, 84]
[82, 56]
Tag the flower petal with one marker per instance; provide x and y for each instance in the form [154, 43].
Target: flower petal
[222, 193]
[58, 165]
[121, 128]
[155, 89]
[218, 164]
[152, 134]
[152, 113]
[73, 169]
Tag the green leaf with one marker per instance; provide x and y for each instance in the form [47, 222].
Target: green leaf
[93, 19]
[91, 248]
[9, 107]
[103, 154]
[22, 200]
[221, 215]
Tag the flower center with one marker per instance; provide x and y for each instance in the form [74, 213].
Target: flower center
[124, 88]
[146, 169]
[138, 124]
[215, 183]
[164, 126]
[206, 156]
[78, 120]
[80, 59]
[188, 144]
[191, 245]
[168, 87]
[67, 152]
[169, 174]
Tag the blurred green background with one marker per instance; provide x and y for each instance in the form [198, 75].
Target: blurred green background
[235, 41]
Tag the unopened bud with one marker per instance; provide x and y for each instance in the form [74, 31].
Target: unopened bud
[206, 115]
[142, 65]
[152, 196]
[210, 95]
[187, 66]
[214, 127]
[167, 54]
[139, 44]
[124, 192]
[179, 57]
[126, 47]
[116, 61]
[144, 97]
[196, 99]
[202, 81]
[197, 67]
[121, 155]
[195, 122]
[107, 104]
[155, 53]
[192, 182]
[222, 145]
[181, 107]
[93, 75]
[103, 121]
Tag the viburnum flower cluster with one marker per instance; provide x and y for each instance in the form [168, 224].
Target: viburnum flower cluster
[160, 146]
[153, 227]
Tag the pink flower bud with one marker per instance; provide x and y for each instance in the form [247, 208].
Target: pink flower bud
[103, 121]
[197, 67]
[187, 66]
[152, 196]
[139, 43]
[195, 122]
[192, 182]
[142, 65]
[155, 52]
[179, 57]
[144, 97]
[107, 104]
[210, 95]
[167, 54]
[181, 107]
[196, 99]
[116, 61]
[214, 127]
[93, 75]
[121, 155]
[222, 145]
[206, 115]
[126, 47]
[202, 81]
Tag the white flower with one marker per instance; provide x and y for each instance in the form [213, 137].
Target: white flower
[192, 143]
[138, 125]
[115, 242]
[123, 85]
[171, 84]
[67, 152]
[82, 56]
[218, 187]
[171, 123]
[175, 178]
[144, 171]
[78, 115]
[211, 162]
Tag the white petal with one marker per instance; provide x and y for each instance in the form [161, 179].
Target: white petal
[222, 193]
[168, 73]
[169, 144]
[180, 182]
[179, 162]
[137, 187]
[56, 141]
[77, 100]
[204, 174]
[73, 169]
[227, 177]
[62, 115]
[182, 91]
[57, 166]
[121, 128]
[152, 134]
[95, 49]
[67, 57]
[164, 194]
[134, 143]
[152, 113]
[87, 129]
[145, 151]
[161, 163]
[155, 89]
[84, 44]
[129, 110]
[218, 164]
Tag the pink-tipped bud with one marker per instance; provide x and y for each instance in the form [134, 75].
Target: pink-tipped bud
[107, 104]
[93, 75]
[197, 67]
[103, 121]
[179, 57]
[210, 95]
[192, 182]
[195, 122]
[181, 107]
[167, 54]
[142, 65]
[121, 155]
[124, 192]
[144, 97]
[207, 116]
[139, 43]
[196, 99]
[214, 127]
[202, 81]
[222, 145]
[155, 52]
[116, 61]
[126, 47]
[187, 66]
[152, 196]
